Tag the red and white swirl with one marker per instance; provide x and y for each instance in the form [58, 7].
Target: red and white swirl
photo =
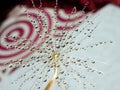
[69, 19]
[23, 28]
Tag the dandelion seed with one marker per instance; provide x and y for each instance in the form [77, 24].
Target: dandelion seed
[54, 51]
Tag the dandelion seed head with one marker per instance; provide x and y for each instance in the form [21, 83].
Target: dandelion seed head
[51, 47]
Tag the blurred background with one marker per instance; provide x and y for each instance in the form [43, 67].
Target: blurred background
[24, 27]
[7, 5]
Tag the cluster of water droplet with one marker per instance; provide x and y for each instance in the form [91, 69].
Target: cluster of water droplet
[40, 65]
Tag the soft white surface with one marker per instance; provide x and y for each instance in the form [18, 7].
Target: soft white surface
[108, 29]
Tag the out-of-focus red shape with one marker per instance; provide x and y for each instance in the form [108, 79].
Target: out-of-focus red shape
[97, 4]
[67, 4]
[93, 4]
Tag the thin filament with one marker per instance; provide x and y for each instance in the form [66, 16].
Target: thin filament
[49, 85]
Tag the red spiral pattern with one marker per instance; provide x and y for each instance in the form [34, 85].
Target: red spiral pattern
[70, 19]
[22, 26]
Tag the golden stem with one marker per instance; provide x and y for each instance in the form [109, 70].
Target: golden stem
[49, 85]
